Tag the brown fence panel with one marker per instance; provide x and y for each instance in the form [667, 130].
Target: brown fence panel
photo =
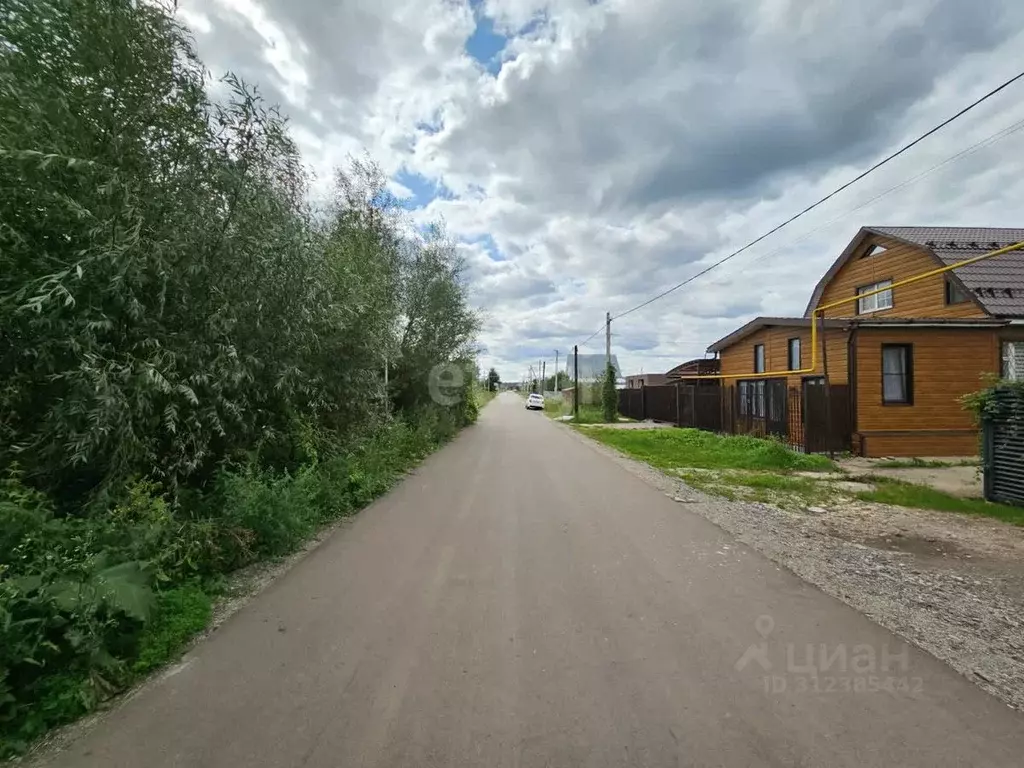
[821, 433]
[660, 403]
[701, 407]
[631, 403]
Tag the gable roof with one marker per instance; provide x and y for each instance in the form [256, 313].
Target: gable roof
[997, 284]
[758, 323]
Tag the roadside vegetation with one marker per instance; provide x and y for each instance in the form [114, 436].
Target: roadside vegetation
[696, 449]
[918, 463]
[904, 494]
[753, 469]
[192, 354]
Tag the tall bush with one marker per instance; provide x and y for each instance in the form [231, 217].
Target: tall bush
[192, 357]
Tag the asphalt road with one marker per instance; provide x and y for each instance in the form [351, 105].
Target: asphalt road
[521, 600]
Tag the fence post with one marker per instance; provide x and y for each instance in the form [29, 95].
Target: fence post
[678, 414]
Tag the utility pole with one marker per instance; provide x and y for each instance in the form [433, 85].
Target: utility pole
[543, 375]
[576, 381]
[607, 338]
[556, 372]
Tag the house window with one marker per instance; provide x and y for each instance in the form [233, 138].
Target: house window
[875, 302]
[1013, 360]
[955, 294]
[752, 398]
[874, 250]
[897, 374]
[759, 358]
[794, 354]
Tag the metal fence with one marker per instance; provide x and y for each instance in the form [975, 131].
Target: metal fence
[811, 418]
[1003, 446]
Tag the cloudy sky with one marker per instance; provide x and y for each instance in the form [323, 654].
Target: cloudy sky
[588, 154]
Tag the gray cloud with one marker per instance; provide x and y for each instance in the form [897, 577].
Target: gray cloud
[626, 144]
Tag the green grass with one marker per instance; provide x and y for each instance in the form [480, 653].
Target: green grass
[903, 494]
[555, 408]
[916, 463]
[483, 397]
[180, 614]
[769, 487]
[675, 448]
[589, 414]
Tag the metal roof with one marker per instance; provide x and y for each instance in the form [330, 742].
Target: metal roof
[996, 284]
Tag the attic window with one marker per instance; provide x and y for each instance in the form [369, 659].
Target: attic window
[954, 294]
[873, 251]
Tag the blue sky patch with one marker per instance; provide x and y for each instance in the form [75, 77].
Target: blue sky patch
[489, 245]
[423, 189]
[485, 45]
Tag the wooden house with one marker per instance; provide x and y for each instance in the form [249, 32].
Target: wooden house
[905, 356]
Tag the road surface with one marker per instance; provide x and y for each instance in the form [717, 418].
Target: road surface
[522, 600]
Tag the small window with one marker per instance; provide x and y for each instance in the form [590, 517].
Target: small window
[752, 398]
[794, 354]
[955, 294]
[877, 301]
[897, 374]
[1013, 360]
[874, 250]
[759, 358]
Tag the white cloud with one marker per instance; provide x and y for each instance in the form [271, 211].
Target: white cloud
[625, 144]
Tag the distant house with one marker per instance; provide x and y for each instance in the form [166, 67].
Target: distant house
[702, 366]
[640, 380]
[591, 367]
[906, 355]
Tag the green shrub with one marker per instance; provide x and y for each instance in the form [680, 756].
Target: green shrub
[180, 613]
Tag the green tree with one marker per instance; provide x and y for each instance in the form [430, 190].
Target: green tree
[493, 380]
[609, 395]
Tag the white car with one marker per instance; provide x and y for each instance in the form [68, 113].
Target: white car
[535, 401]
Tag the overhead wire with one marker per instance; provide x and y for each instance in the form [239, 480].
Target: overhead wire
[986, 142]
[822, 200]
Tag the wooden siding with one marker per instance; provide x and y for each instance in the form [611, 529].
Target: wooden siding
[739, 358]
[948, 363]
[930, 445]
[926, 298]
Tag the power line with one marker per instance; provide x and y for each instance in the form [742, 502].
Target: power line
[986, 142]
[827, 197]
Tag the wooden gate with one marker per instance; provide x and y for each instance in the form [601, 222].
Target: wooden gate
[826, 417]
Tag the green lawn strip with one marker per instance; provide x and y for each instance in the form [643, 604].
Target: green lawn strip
[180, 614]
[916, 463]
[483, 397]
[589, 414]
[903, 494]
[769, 487]
[692, 448]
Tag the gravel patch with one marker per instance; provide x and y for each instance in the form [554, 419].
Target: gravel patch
[950, 584]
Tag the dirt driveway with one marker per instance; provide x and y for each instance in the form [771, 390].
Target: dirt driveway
[959, 477]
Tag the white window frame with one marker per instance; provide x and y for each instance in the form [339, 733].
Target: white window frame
[790, 363]
[876, 302]
[1013, 360]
